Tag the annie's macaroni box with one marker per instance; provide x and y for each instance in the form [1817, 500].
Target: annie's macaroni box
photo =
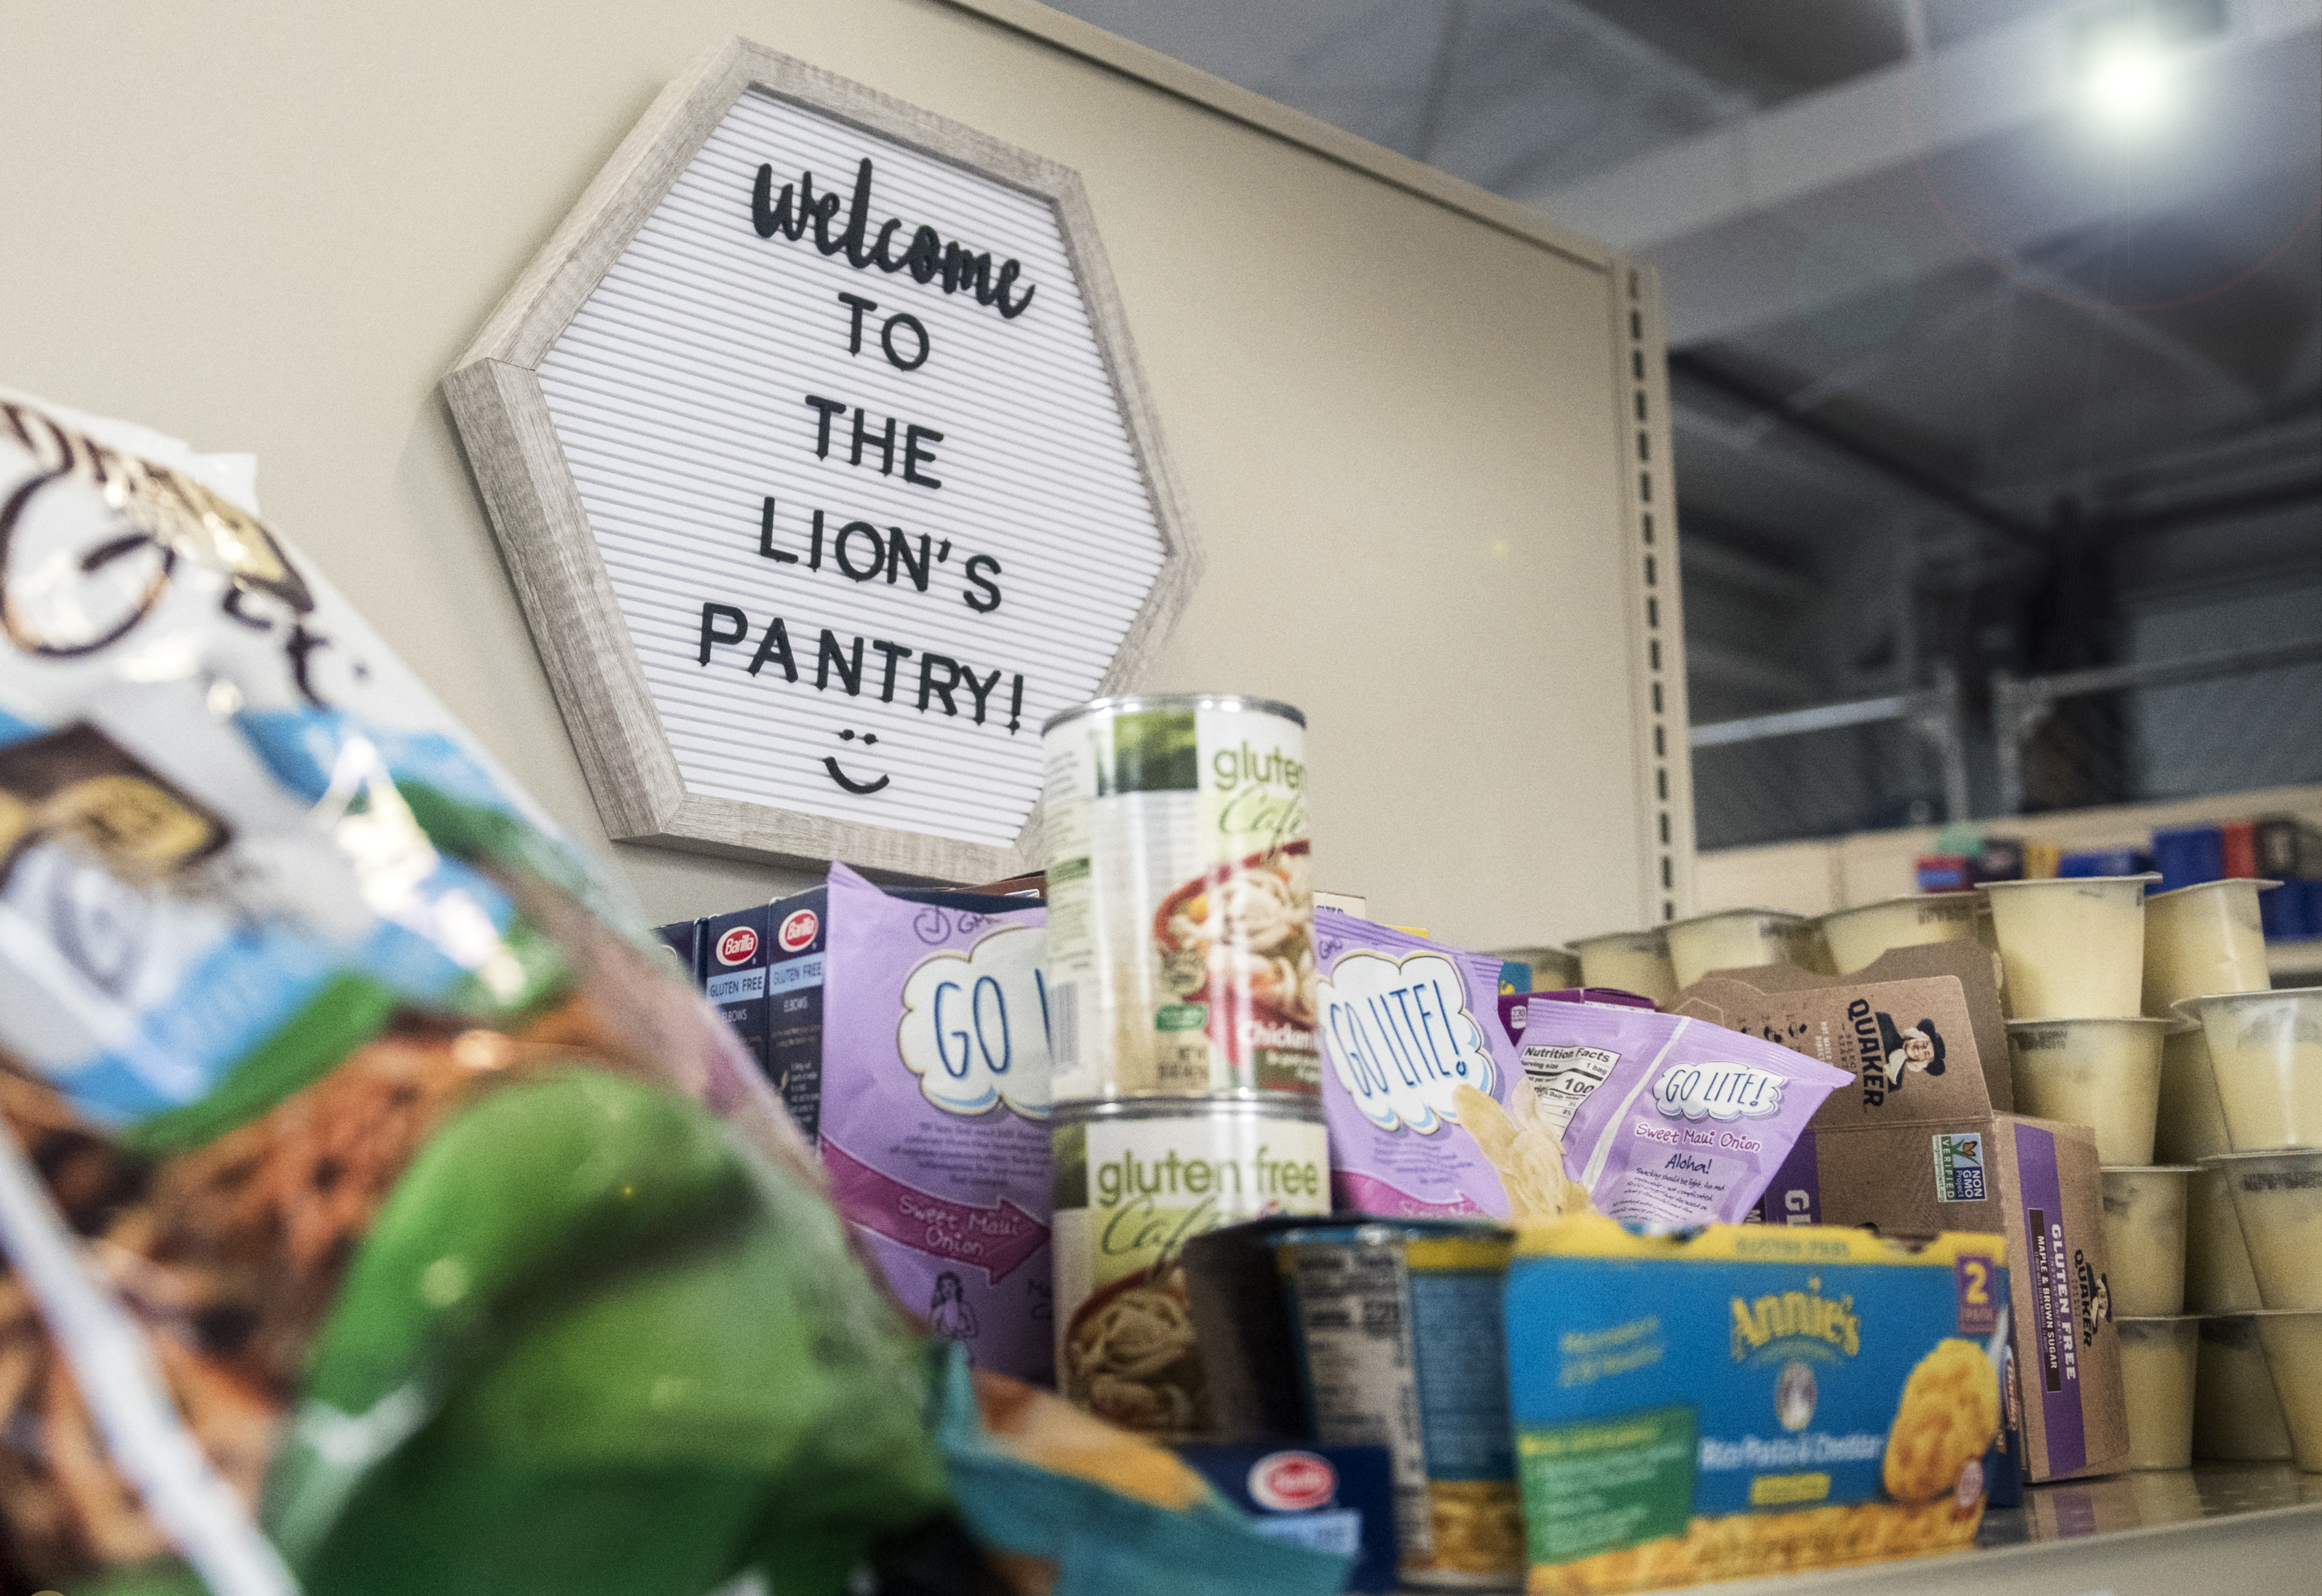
[1745, 1400]
[1923, 1143]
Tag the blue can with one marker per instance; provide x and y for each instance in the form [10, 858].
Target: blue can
[1399, 1332]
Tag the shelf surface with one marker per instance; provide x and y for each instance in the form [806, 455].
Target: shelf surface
[2217, 1527]
[2075, 1509]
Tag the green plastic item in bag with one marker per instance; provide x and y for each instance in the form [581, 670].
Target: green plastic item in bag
[591, 1348]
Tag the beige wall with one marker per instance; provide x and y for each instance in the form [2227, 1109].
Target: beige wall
[273, 227]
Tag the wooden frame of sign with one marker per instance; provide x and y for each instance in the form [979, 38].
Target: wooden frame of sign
[573, 603]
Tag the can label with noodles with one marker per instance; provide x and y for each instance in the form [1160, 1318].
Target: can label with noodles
[1180, 907]
[1136, 1179]
[1400, 1345]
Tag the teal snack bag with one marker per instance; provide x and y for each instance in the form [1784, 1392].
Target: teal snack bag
[1745, 1400]
[1097, 1511]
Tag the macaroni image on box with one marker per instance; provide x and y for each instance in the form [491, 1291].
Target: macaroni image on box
[1749, 1400]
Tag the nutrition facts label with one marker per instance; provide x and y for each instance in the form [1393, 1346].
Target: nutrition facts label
[1563, 1076]
[1359, 1367]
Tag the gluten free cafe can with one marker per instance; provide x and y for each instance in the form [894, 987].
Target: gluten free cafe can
[1181, 904]
[1136, 1179]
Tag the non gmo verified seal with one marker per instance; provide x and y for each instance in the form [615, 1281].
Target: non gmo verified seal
[1959, 1168]
[738, 946]
[1293, 1481]
[797, 932]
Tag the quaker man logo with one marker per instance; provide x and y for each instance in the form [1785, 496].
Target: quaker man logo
[1890, 1051]
[2096, 1297]
[1806, 1318]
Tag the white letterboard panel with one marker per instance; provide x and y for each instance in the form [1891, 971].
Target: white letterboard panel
[820, 420]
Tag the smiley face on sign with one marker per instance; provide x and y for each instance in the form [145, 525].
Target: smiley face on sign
[870, 739]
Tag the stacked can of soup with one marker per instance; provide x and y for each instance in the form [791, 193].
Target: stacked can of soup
[2149, 1018]
[1181, 988]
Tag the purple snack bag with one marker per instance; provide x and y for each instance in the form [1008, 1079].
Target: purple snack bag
[1408, 1023]
[1667, 1120]
[934, 1107]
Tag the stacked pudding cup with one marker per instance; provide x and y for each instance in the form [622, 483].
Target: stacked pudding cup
[2085, 1048]
[1630, 961]
[1858, 936]
[2261, 1160]
[2241, 1100]
[1660, 962]
[1744, 939]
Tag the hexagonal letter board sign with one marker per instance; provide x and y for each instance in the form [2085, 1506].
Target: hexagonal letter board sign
[824, 472]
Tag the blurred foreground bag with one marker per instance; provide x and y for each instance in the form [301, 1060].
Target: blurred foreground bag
[356, 1132]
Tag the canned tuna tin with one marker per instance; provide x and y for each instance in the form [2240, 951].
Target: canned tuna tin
[1403, 1341]
[1135, 1179]
[1180, 907]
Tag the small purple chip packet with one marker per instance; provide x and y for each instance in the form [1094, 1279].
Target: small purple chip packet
[1667, 1120]
[1408, 1026]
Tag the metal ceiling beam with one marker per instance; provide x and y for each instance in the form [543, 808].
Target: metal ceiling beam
[1739, 670]
[1872, 456]
[1438, 81]
[1995, 126]
[1702, 557]
[2225, 506]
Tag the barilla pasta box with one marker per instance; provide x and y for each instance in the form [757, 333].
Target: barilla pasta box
[1748, 1399]
[1406, 1023]
[1920, 1143]
[907, 1032]
[733, 951]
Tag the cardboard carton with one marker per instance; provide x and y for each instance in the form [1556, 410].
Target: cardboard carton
[734, 953]
[1925, 1143]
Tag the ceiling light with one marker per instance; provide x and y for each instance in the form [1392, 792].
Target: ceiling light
[2125, 60]
[2129, 85]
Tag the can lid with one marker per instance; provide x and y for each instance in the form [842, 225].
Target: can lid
[1372, 1229]
[1279, 1105]
[1177, 702]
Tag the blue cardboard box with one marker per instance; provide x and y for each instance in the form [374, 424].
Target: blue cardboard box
[1750, 1399]
[682, 938]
